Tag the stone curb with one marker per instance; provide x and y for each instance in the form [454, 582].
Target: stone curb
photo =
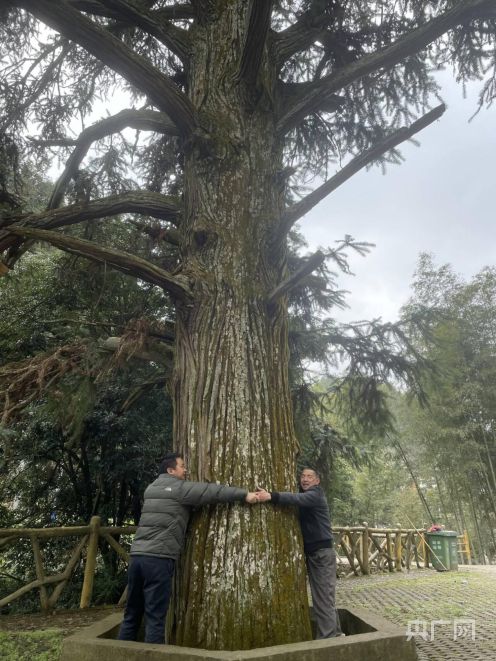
[371, 637]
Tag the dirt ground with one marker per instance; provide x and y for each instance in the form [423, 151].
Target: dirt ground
[68, 621]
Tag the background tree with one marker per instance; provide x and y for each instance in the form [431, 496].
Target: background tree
[241, 99]
[80, 447]
[452, 441]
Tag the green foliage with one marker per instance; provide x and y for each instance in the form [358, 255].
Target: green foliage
[355, 30]
[80, 446]
[453, 442]
[385, 496]
[77, 449]
[360, 360]
[446, 438]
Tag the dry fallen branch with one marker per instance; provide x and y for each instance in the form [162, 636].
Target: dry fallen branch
[133, 341]
[27, 380]
[24, 381]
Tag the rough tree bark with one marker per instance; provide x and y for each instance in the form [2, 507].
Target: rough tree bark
[242, 583]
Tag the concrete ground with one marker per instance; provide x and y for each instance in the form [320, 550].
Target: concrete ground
[424, 595]
[453, 614]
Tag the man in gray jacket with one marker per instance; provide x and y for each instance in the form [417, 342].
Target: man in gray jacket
[318, 544]
[159, 540]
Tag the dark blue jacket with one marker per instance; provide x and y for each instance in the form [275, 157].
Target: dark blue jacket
[314, 514]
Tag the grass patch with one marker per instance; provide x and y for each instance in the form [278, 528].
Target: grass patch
[439, 610]
[31, 645]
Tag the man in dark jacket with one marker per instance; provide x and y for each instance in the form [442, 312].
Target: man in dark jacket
[159, 540]
[318, 544]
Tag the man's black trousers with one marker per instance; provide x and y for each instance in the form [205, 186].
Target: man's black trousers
[149, 591]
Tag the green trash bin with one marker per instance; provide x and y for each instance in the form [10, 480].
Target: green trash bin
[443, 550]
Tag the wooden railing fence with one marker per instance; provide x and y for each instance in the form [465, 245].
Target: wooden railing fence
[360, 550]
[85, 550]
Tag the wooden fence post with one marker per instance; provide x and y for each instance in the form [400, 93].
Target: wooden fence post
[408, 549]
[416, 541]
[89, 569]
[397, 551]
[389, 548]
[40, 572]
[365, 550]
[467, 547]
[425, 551]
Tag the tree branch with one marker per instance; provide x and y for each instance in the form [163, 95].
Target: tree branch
[299, 209]
[299, 36]
[256, 37]
[156, 352]
[55, 142]
[146, 120]
[159, 233]
[312, 263]
[143, 389]
[176, 285]
[178, 12]
[37, 89]
[113, 53]
[142, 202]
[292, 93]
[409, 44]
[172, 37]
[171, 13]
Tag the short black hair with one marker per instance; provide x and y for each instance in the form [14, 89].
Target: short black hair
[169, 461]
[311, 468]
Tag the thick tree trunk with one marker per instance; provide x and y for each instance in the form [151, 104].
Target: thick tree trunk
[242, 580]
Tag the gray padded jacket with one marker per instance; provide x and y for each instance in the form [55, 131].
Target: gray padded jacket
[166, 511]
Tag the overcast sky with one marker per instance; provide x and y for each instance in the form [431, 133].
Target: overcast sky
[440, 200]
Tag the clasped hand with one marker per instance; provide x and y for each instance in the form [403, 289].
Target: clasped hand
[258, 496]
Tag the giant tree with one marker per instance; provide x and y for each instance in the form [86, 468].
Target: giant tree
[236, 103]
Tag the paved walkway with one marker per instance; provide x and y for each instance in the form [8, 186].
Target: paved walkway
[423, 595]
[455, 611]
